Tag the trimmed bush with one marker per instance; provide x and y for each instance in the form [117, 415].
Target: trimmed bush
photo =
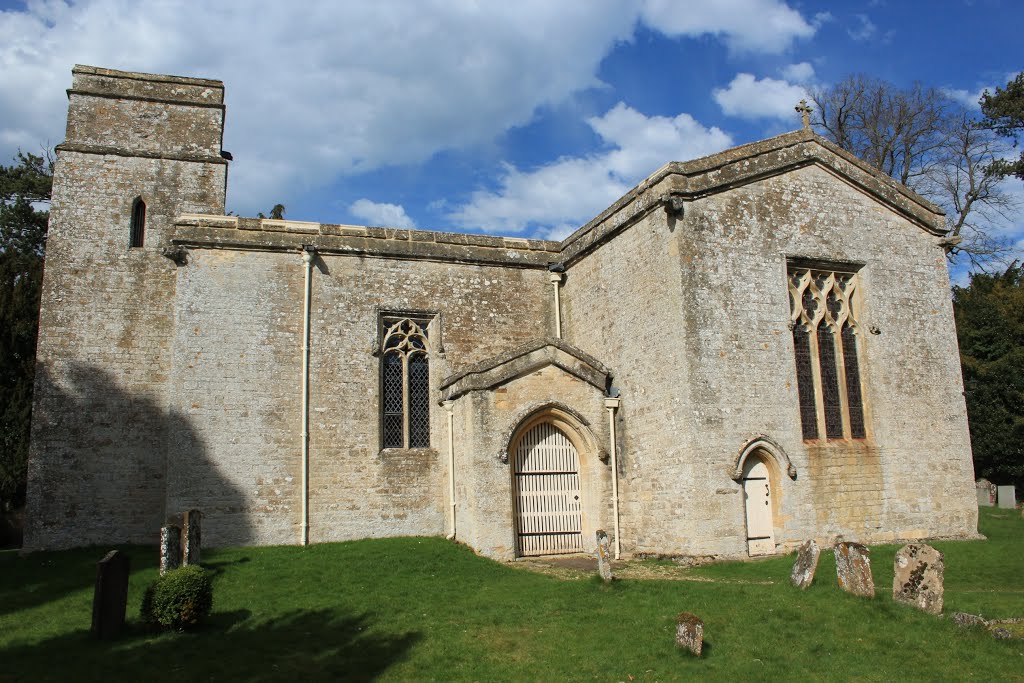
[179, 599]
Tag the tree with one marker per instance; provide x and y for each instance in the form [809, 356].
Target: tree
[990, 326]
[24, 188]
[1004, 113]
[276, 213]
[925, 140]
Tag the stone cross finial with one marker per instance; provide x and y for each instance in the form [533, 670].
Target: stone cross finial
[805, 113]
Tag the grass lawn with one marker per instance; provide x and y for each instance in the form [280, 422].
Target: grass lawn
[421, 609]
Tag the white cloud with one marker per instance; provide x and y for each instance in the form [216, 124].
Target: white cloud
[798, 73]
[747, 97]
[864, 29]
[556, 198]
[386, 215]
[328, 89]
[765, 26]
[341, 88]
[965, 97]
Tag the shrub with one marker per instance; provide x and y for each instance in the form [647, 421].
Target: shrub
[179, 599]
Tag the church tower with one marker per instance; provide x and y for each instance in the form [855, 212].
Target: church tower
[140, 149]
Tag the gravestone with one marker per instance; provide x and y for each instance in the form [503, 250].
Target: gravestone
[806, 564]
[918, 577]
[193, 536]
[984, 490]
[604, 558]
[170, 548]
[1007, 497]
[690, 632]
[853, 569]
[110, 597]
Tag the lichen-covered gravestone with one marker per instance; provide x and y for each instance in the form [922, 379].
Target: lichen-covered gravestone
[110, 597]
[170, 548]
[193, 536]
[690, 632]
[917, 577]
[806, 564]
[604, 559]
[853, 569]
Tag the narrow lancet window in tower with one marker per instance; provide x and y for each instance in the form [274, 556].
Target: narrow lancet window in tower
[138, 224]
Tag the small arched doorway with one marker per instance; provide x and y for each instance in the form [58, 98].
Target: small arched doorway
[757, 497]
[546, 495]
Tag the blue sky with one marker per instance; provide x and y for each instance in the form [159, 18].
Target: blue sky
[518, 118]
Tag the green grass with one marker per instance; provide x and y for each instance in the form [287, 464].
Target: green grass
[418, 609]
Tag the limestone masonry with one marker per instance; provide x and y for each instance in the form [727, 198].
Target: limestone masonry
[745, 352]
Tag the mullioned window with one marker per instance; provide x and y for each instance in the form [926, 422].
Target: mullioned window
[825, 340]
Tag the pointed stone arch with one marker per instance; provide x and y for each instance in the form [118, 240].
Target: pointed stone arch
[557, 495]
[770, 450]
[575, 426]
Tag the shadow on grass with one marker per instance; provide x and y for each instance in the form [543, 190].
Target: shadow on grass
[38, 578]
[300, 645]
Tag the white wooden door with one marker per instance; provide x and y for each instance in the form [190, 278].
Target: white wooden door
[547, 493]
[757, 494]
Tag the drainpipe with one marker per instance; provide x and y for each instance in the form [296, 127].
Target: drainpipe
[308, 255]
[449, 407]
[556, 280]
[612, 404]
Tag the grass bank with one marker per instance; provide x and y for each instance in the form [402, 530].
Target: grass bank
[416, 609]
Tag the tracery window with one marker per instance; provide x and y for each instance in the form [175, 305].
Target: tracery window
[405, 383]
[825, 333]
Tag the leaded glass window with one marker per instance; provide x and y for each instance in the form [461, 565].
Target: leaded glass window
[825, 334]
[405, 384]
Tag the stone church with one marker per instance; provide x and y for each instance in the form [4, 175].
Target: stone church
[743, 352]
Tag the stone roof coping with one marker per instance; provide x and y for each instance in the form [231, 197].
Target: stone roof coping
[140, 76]
[525, 358]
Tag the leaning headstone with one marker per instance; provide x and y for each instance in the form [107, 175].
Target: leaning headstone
[170, 548]
[690, 632]
[110, 597]
[1007, 497]
[604, 557]
[918, 576]
[806, 564]
[853, 569]
[193, 536]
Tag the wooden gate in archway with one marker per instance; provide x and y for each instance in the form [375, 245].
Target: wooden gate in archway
[546, 469]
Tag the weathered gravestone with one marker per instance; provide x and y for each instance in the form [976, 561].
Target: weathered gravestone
[917, 577]
[193, 536]
[984, 490]
[806, 564]
[604, 558]
[690, 632]
[170, 548]
[853, 569]
[110, 597]
[1007, 497]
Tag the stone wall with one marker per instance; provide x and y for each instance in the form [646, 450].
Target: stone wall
[237, 382]
[100, 423]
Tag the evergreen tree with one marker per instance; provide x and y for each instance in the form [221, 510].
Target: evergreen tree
[990, 326]
[1004, 113]
[24, 188]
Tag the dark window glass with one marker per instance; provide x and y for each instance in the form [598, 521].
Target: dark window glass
[419, 401]
[138, 226]
[853, 395]
[829, 383]
[805, 383]
[393, 426]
